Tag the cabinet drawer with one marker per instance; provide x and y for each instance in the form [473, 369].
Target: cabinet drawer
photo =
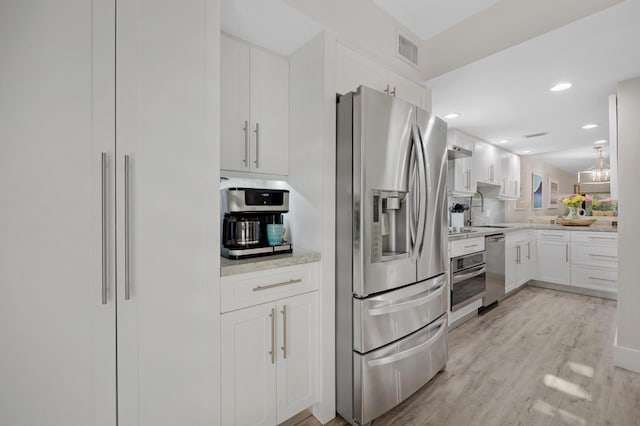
[603, 238]
[553, 235]
[594, 255]
[466, 246]
[242, 290]
[594, 278]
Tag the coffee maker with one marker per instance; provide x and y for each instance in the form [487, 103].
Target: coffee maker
[246, 214]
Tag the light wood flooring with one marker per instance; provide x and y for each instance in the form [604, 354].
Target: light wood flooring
[541, 357]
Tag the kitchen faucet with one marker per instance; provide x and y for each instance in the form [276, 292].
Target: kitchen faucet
[471, 206]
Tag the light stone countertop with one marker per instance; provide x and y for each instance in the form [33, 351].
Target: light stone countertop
[503, 228]
[242, 266]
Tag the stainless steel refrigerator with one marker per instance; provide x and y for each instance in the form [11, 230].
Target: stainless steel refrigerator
[391, 252]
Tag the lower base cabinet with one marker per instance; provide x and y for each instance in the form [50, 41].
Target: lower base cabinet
[270, 361]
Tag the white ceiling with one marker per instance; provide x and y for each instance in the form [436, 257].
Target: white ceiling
[506, 95]
[427, 18]
[271, 24]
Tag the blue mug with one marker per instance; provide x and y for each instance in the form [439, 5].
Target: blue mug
[275, 233]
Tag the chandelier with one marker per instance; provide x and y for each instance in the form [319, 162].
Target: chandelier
[598, 173]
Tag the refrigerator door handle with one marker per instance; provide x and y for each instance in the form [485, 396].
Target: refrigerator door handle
[413, 182]
[422, 184]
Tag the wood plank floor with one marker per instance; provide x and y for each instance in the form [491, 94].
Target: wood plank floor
[541, 357]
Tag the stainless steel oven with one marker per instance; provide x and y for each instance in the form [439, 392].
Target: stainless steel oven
[468, 279]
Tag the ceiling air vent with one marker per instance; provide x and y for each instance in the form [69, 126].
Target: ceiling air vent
[536, 135]
[407, 50]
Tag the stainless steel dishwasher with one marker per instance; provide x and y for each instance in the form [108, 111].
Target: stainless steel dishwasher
[494, 246]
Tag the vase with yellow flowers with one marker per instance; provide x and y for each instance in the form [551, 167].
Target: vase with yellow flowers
[574, 203]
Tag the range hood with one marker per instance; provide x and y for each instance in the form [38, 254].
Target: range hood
[455, 151]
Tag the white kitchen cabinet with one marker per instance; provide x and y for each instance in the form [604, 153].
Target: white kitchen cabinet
[509, 176]
[553, 253]
[255, 109]
[594, 260]
[519, 258]
[355, 70]
[487, 163]
[270, 359]
[80, 347]
[462, 179]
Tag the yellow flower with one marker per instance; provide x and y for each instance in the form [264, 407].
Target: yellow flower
[574, 201]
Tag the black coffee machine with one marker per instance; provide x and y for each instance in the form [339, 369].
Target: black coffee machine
[246, 214]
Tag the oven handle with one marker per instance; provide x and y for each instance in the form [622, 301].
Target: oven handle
[433, 293]
[470, 273]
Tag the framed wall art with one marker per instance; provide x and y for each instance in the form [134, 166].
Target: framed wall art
[536, 192]
[553, 193]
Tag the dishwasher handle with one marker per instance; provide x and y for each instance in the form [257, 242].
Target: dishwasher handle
[495, 239]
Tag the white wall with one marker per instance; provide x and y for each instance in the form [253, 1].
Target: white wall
[312, 73]
[528, 166]
[627, 350]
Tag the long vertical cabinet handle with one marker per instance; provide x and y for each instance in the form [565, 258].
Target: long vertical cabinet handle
[272, 352]
[284, 331]
[566, 252]
[104, 215]
[127, 229]
[246, 143]
[257, 145]
[528, 250]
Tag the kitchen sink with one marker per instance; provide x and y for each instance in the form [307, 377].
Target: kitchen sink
[493, 226]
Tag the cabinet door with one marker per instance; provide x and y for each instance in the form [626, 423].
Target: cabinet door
[484, 160]
[165, 128]
[297, 367]
[57, 362]
[235, 127]
[511, 264]
[355, 70]
[406, 89]
[553, 260]
[269, 113]
[249, 369]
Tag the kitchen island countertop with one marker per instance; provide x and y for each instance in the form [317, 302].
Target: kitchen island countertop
[253, 264]
[503, 228]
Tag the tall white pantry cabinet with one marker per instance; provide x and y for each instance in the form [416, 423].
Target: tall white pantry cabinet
[108, 241]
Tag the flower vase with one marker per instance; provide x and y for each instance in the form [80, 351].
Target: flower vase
[573, 213]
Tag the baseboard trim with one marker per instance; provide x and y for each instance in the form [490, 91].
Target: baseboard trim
[576, 290]
[626, 358]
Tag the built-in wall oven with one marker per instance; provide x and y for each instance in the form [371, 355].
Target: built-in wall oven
[468, 279]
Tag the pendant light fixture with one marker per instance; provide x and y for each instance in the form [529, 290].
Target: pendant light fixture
[596, 174]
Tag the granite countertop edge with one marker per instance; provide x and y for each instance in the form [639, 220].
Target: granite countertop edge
[233, 267]
[480, 231]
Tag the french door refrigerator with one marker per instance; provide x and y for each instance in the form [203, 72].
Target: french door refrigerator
[391, 258]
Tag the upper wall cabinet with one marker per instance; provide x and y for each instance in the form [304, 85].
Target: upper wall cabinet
[354, 70]
[462, 178]
[254, 109]
[510, 176]
[487, 162]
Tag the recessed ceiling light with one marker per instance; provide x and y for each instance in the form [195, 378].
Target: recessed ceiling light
[560, 87]
[601, 142]
[451, 115]
[505, 140]
[589, 126]
[525, 152]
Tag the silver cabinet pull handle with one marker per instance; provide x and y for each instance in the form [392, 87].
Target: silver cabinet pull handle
[284, 331]
[393, 92]
[518, 254]
[127, 229]
[266, 287]
[272, 352]
[602, 279]
[553, 235]
[602, 255]
[386, 90]
[529, 250]
[246, 143]
[471, 246]
[257, 144]
[104, 214]
[566, 252]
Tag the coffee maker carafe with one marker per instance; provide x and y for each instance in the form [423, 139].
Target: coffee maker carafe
[250, 217]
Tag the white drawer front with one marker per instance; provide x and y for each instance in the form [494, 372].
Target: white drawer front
[466, 246]
[553, 235]
[603, 238]
[242, 290]
[592, 255]
[594, 278]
